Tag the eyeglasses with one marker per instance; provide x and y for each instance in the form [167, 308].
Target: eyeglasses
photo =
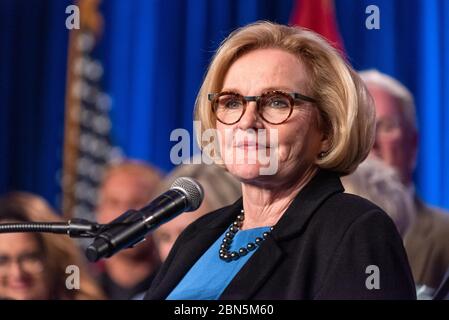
[387, 126]
[274, 107]
[28, 262]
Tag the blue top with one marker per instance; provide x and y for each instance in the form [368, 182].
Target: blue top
[209, 276]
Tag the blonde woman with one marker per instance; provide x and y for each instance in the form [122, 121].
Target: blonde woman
[294, 234]
[33, 266]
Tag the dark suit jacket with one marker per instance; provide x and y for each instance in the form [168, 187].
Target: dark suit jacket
[319, 249]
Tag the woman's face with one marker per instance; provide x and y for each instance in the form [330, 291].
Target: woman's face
[299, 140]
[22, 269]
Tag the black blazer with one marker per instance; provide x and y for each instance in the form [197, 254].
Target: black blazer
[320, 249]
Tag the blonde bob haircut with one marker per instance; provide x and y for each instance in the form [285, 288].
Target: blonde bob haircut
[347, 114]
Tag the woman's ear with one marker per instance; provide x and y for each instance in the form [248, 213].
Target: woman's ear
[325, 127]
[324, 149]
[325, 144]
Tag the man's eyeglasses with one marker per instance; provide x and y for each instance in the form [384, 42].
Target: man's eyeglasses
[274, 107]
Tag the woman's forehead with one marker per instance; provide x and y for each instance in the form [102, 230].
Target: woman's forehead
[264, 70]
[18, 242]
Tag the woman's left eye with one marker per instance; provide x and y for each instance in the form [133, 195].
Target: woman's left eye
[278, 103]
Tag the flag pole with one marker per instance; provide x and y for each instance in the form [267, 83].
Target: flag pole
[90, 19]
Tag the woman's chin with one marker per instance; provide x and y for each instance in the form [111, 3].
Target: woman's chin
[246, 172]
[22, 295]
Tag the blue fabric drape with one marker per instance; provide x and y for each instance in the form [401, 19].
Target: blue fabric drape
[155, 55]
[33, 59]
[411, 45]
[155, 52]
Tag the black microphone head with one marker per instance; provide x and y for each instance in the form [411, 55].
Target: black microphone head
[191, 189]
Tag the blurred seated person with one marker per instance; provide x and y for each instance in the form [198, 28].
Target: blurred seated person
[220, 189]
[427, 241]
[33, 265]
[379, 183]
[128, 185]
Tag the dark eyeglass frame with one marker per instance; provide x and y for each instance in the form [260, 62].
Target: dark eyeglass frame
[292, 96]
[29, 257]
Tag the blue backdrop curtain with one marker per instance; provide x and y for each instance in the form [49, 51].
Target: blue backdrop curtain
[155, 54]
[411, 45]
[33, 59]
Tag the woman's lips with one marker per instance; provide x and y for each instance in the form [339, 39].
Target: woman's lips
[250, 145]
[19, 285]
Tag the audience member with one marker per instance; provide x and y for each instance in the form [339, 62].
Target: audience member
[128, 185]
[34, 266]
[427, 241]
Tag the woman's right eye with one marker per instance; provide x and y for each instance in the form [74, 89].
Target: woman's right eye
[231, 103]
[4, 260]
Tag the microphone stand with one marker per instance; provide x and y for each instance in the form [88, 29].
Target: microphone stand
[78, 228]
[75, 228]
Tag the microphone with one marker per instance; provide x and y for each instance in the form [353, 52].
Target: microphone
[185, 194]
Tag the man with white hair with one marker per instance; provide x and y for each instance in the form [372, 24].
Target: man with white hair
[427, 240]
[380, 183]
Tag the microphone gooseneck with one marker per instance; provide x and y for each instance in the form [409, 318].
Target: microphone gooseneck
[75, 228]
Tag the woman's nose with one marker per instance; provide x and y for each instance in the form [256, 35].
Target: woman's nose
[251, 117]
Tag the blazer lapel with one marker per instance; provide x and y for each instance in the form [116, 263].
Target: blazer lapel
[262, 264]
[318, 190]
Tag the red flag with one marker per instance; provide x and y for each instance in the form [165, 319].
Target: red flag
[319, 16]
